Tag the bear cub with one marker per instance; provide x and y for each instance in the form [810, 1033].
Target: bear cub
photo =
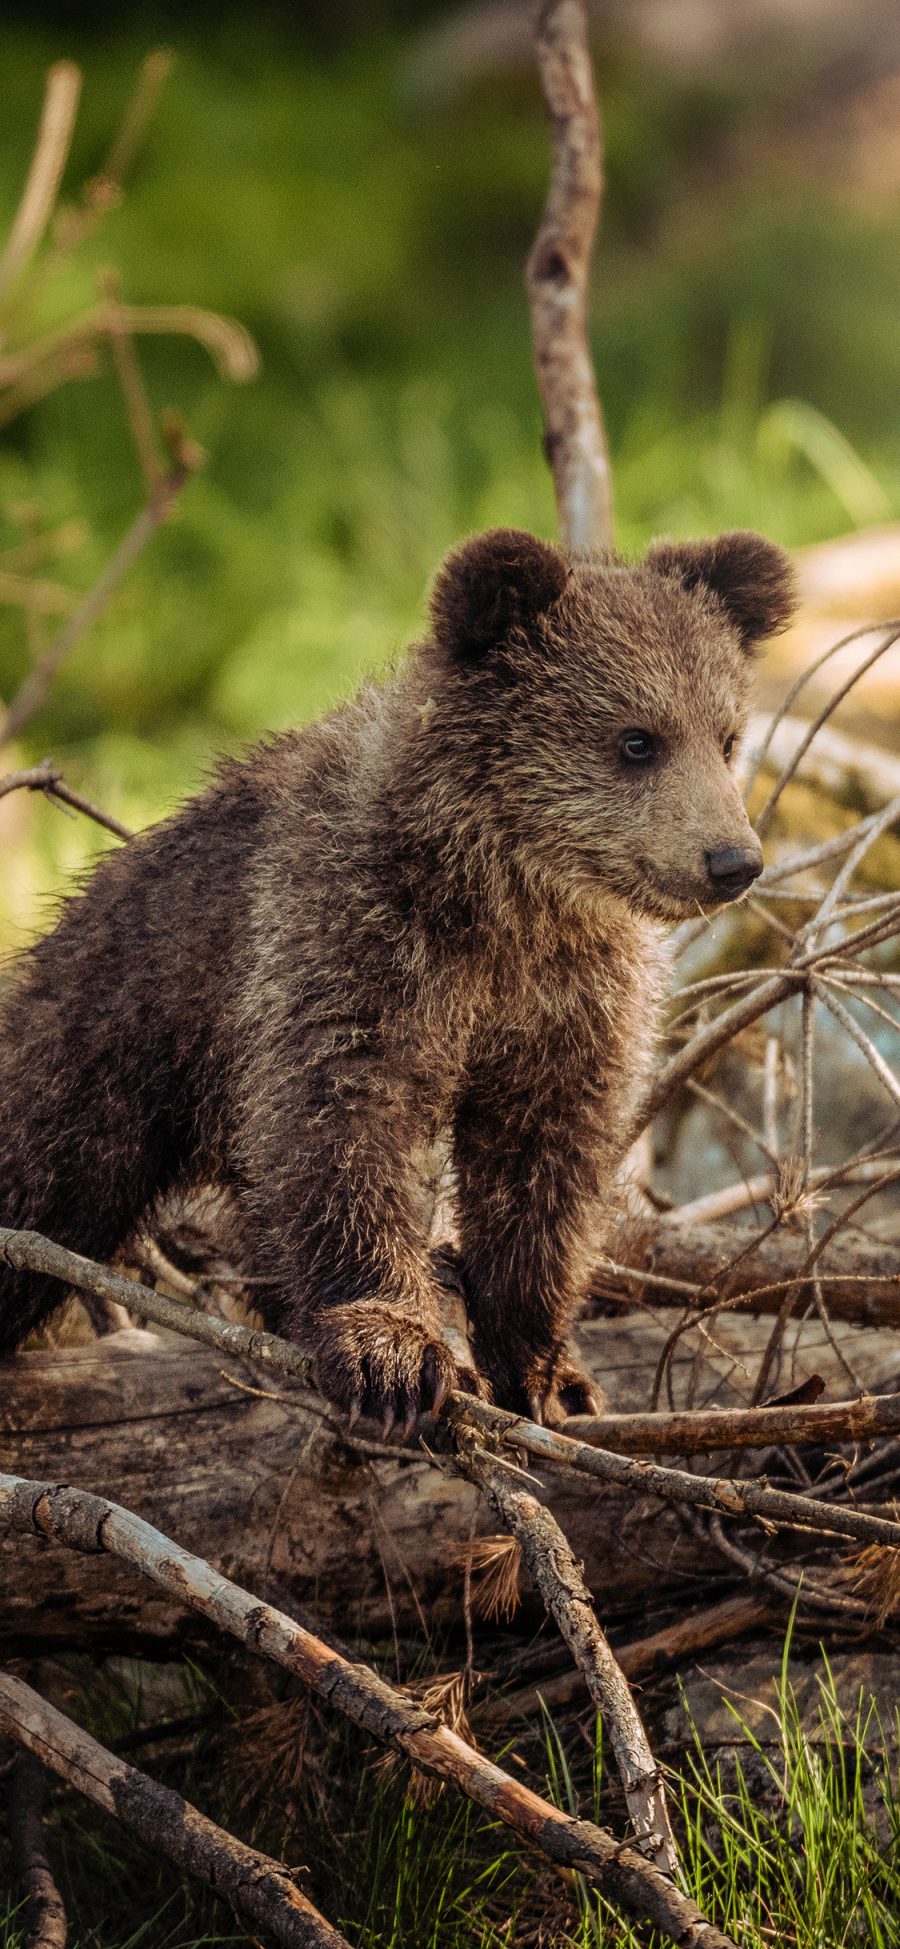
[438, 912]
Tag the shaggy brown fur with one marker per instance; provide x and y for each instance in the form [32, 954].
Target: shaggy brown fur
[441, 908]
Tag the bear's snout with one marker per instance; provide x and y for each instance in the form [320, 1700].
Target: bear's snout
[732, 869]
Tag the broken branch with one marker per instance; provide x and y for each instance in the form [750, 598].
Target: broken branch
[555, 1573]
[258, 1888]
[619, 1871]
[44, 1912]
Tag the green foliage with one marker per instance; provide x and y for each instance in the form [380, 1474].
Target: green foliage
[373, 244]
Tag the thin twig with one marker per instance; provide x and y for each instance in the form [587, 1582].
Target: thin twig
[228, 343]
[45, 174]
[798, 1586]
[131, 385]
[45, 778]
[811, 669]
[31, 694]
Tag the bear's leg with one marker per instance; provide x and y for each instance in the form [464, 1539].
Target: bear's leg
[337, 1223]
[533, 1161]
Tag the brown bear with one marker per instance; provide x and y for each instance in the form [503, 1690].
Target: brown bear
[441, 908]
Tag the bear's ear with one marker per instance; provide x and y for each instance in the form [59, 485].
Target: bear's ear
[752, 579]
[496, 583]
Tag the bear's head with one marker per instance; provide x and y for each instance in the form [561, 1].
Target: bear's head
[600, 707]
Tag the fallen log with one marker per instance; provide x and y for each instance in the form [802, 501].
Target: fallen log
[254, 1471]
[685, 1265]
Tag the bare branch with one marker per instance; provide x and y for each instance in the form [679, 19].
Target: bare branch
[630, 1434]
[742, 1499]
[558, 277]
[45, 778]
[45, 1916]
[715, 1205]
[619, 1871]
[28, 1251]
[697, 1631]
[555, 1573]
[795, 1585]
[255, 1886]
[696, 1431]
[228, 343]
[131, 385]
[765, 817]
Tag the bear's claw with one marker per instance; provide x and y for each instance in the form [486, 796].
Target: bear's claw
[548, 1390]
[377, 1360]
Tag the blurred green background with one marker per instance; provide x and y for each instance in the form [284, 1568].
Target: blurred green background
[359, 185]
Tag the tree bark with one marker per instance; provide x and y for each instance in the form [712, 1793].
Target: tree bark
[257, 1475]
[860, 1277]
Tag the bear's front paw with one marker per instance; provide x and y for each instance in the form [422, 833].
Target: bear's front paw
[375, 1359]
[566, 1390]
[547, 1388]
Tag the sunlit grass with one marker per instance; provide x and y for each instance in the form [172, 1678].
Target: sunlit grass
[790, 1839]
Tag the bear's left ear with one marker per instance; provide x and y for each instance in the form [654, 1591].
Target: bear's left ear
[752, 579]
[496, 583]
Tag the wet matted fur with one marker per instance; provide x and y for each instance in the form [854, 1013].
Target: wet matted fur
[440, 909]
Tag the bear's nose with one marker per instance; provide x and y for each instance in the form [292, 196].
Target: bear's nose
[732, 868]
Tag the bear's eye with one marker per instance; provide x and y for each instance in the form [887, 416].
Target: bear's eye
[638, 747]
[728, 748]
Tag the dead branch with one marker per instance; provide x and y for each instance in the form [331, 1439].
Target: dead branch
[677, 1642]
[228, 343]
[709, 1265]
[33, 690]
[796, 1585]
[676, 1433]
[723, 1495]
[555, 1573]
[844, 768]
[697, 1431]
[558, 275]
[256, 1887]
[131, 385]
[44, 1916]
[28, 1251]
[715, 1205]
[45, 778]
[268, 1482]
[889, 632]
[93, 1524]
